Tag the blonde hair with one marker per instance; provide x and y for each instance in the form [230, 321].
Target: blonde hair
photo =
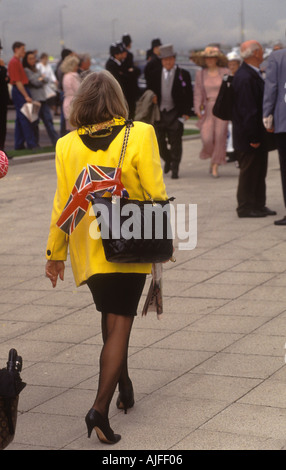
[69, 63]
[98, 99]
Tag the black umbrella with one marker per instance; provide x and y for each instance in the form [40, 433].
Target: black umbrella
[11, 385]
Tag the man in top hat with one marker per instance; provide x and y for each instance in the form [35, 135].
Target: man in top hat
[131, 73]
[153, 60]
[173, 89]
[127, 43]
[113, 64]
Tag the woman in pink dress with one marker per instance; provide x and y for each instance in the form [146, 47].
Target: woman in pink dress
[71, 82]
[207, 85]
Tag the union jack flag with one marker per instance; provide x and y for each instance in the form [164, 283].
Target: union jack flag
[92, 181]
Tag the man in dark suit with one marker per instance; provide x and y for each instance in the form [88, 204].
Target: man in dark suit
[249, 134]
[174, 94]
[114, 63]
[153, 60]
[132, 74]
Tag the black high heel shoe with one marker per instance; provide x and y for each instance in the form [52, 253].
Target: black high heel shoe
[125, 399]
[94, 420]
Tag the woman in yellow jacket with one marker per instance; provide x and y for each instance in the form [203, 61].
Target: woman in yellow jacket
[98, 114]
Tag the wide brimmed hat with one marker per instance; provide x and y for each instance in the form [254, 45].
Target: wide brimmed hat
[166, 51]
[210, 51]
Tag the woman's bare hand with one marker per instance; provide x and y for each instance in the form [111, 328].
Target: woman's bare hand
[55, 269]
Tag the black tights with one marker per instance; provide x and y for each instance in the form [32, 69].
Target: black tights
[116, 331]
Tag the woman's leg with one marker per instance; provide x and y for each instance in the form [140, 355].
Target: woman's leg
[219, 150]
[46, 116]
[124, 379]
[116, 331]
[207, 133]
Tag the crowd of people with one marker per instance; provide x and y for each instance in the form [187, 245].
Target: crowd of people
[33, 81]
[258, 123]
[258, 111]
[165, 104]
[169, 100]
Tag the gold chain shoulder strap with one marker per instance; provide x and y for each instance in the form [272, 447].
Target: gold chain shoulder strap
[129, 124]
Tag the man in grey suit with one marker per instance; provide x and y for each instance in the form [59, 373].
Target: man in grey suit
[274, 110]
[172, 86]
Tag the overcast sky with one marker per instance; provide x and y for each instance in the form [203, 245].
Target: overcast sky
[92, 25]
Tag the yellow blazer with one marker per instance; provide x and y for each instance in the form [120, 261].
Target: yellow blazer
[141, 170]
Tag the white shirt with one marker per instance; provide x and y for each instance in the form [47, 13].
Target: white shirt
[168, 73]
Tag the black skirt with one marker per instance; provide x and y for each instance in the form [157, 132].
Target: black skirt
[117, 293]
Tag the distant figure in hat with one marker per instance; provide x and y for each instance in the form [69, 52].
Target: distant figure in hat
[173, 89]
[233, 62]
[114, 63]
[131, 73]
[207, 85]
[127, 43]
[153, 60]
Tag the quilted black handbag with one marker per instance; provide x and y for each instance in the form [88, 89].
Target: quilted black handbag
[10, 386]
[134, 231]
[224, 102]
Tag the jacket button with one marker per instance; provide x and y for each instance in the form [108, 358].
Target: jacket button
[49, 252]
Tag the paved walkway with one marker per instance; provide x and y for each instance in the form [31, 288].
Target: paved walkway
[209, 375]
